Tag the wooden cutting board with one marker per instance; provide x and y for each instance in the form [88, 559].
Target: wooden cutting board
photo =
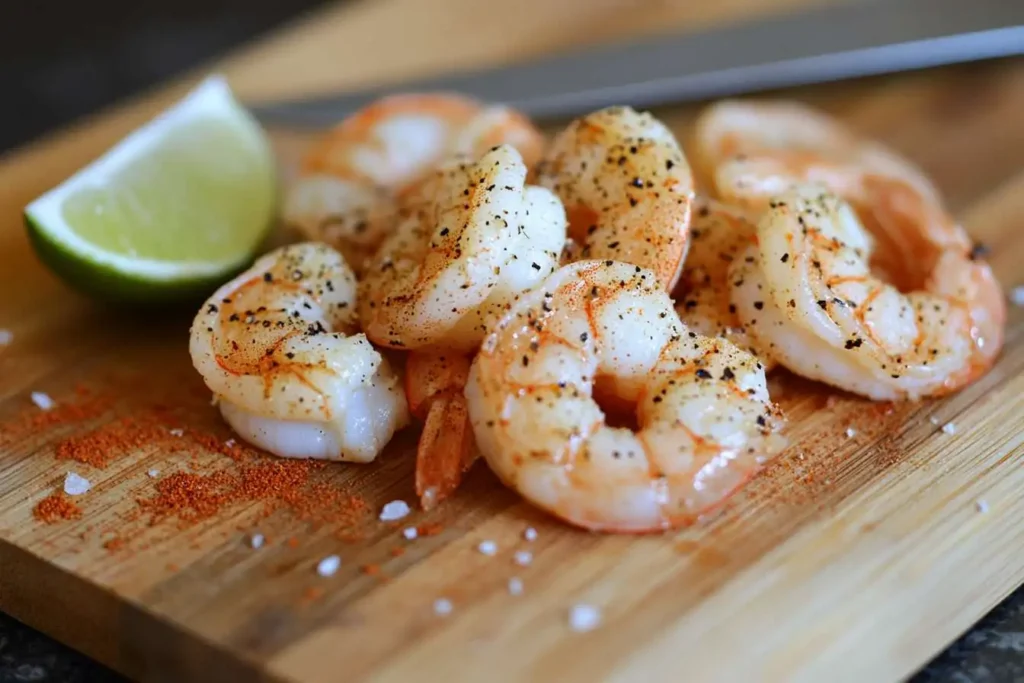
[853, 558]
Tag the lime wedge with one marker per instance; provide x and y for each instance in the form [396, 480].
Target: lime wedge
[172, 210]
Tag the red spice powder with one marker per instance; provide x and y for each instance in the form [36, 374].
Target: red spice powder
[117, 438]
[55, 508]
[432, 529]
[190, 497]
[114, 544]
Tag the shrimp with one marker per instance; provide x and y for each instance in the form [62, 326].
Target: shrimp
[706, 422]
[627, 189]
[718, 233]
[807, 292]
[349, 180]
[277, 346]
[756, 151]
[474, 237]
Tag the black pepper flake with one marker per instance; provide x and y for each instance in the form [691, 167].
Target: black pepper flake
[669, 164]
[584, 337]
[267, 277]
[613, 245]
[728, 374]
[823, 304]
[761, 421]
[633, 201]
[703, 374]
[526, 360]
[785, 257]
[759, 305]
[978, 251]
[535, 266]
[211, 309]
[657, 399]
[444, 231]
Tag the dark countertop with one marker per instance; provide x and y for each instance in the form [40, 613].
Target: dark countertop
[57, 72]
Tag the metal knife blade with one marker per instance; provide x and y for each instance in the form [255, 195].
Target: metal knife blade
[835, 42]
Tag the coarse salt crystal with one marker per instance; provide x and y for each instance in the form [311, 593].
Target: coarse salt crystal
[934, 420]
[982, 506]
[442, 607]
[328, 566]
[230, 443]
[1017, 296]
[43, 401]
[949, 428]
[396, 509]
[6, 337]
[583, 618]
[523, 557]
[489, 548]
[256, 541]
[75, 485]
[153, 473]
[410, 533]
[177, 432]
[515, 586]
[850, 432]
[530, 534]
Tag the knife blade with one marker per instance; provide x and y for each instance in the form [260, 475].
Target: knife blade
[830, 43]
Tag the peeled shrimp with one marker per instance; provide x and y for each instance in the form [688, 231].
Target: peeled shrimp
[807, 292]
[718, 235]
[277, 347]
[473, 238]
[627, 189]
[349, 180]
[706, 423]
[755, 151]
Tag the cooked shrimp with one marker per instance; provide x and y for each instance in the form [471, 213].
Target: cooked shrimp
[718, 234]
[627, 189]
[277, 347]
[348, 181]
[474, 237]
[807, 292]
[755, 151]
[706, 423]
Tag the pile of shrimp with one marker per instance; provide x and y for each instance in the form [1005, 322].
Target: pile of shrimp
[593, 315]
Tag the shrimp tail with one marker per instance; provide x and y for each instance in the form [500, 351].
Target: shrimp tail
[434, 387]
[446, 449]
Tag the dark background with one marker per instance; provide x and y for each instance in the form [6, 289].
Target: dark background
[60, 61]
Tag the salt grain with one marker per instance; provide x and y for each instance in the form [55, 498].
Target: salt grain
[489, 548]
[934, 420]
[177, 432]
[982, 506]
[328, 566]
[42, 401]
[1017, 295]
[395, 510]
[230, 443]
[75, 485]
[523, 557]
[410, 533]
[949, 428]
[442, 607]
[583, 618]
[153, 473]
[256, 541]
[530, 534]
[850, 432]
[515, 586]
[6, 337]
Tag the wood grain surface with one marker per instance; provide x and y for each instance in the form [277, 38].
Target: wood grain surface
[850, 559]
